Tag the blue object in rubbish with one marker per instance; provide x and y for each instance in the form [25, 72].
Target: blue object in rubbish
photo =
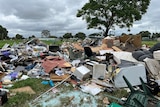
[51, 83]
[29, 67]
[45, 82]
[14, 75]
[6, 53]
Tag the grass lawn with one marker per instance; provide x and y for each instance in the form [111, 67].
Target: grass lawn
[149, 43]
[11, 42]
[3, 42]
[20, 99]
[59, 42]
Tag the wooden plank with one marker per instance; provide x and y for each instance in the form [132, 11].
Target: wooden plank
[55, 77]
[116, 48]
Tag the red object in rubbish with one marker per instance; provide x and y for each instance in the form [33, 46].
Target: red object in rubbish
[49, 64]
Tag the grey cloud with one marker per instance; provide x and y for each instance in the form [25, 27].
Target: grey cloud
[30, 17]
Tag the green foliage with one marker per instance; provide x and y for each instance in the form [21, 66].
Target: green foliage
[30, 37]
[18, 36]
[3, 42]
[105, 14]
[3, 33]
[149, 43]
[67, 35]
[80, 35]
[155, 35]
[145, 34]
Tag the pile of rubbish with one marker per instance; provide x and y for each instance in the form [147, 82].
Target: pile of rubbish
[94, 64]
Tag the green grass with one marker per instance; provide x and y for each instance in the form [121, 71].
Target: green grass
[59, 42]
[149, 43]
[21, 99]
[11, 42]
[3, 42]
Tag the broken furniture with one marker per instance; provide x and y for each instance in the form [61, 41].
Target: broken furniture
[54, 48]
[139, 98]
[99, 71]
[89, 65]
[82, 72]
[74, 53]
[130, 42]
[153, 67]
[88, 52]
[132, 73]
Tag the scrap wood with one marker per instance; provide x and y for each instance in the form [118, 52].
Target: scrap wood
[26, 89]
[137, 41]
[2, 74]
[116, 48]
[98, 48]
[78, 47]
[102, 83]
[55, 77]
[105, 100]
[124, 38]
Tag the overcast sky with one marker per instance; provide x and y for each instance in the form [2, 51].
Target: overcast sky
[30, 17]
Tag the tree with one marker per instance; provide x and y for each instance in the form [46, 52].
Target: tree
[30, 37]
[80, 35]
[155, 35]
[106, 14]
[67, 35]
[18, 36]
[145, 34]
[45, 33]
[3, 33]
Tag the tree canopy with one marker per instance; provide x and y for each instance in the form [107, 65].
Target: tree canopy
[145, 34]
[18, 36]
[80, 35]
[67, 35]
[105, 14]
[3, 33]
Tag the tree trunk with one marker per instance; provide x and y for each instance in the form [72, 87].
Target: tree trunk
[106, 32]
